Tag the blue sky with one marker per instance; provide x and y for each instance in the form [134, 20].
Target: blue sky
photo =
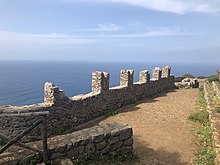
[185, 31]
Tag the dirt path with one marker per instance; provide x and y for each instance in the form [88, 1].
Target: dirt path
[162, 132]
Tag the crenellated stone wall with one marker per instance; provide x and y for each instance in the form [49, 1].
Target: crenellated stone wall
[157, 73]
[67, 113]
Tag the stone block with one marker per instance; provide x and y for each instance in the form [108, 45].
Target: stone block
[100, 82]
[101, 145]
[126, 77]
[157, 73]
[90, 148]
[125, 133]
[144, 76]
[116, 146]
[113, 140]
[166, 71]
[128, 142]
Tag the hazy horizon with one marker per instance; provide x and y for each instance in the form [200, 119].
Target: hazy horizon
[176, 31]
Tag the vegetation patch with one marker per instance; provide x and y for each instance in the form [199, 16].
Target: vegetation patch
[127, 159]
[111, 113]
[203, 131]
[31, 160]
[213, 78]
[218, 109]
[188, 76]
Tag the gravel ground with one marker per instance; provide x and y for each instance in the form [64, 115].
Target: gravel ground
[162, 132]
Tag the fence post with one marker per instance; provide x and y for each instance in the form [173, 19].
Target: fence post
[44, 138]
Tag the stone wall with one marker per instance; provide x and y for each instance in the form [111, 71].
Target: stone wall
[112, 139]
[218, 74]
[216, 87]
[213, 116]
[67, 113]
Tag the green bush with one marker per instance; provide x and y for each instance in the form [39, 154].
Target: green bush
[188, 76]
[212, 78]
[201, 77]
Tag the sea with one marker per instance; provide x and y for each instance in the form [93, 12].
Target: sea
[22, 82]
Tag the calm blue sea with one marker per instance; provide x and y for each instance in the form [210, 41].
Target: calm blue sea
[21, 82]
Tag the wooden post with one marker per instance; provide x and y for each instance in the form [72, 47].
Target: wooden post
[17, 138]
[44, 138]
[22, 145]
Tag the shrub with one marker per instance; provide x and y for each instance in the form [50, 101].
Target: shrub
[188, 76]
[201, 77]
[212, 78]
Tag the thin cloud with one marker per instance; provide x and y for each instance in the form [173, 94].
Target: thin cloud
[50, 39]
[171, 6]
[106, 27]
[156, 32]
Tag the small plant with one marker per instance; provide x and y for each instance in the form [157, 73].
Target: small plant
[111, 113]
[218, 108]
[128, 159]
[201, 117]
[31, 160]
[188, 76]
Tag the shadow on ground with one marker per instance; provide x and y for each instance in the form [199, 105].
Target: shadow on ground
[156, 157]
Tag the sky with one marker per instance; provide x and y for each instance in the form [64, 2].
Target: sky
[180, 31]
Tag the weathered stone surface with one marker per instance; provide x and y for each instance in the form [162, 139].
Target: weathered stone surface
[115, 132]
[189, 83]
[144, 76]
[113, 139]
[124, 150]
[125, 133]
[97, 137]
[128, 142]
[90, 148]
[65, 162]
[126, 77]
[62, 145]
[166, 72]
[115, 146]
[101, 145]
[41, 163]
[100, 82]
[157, 73]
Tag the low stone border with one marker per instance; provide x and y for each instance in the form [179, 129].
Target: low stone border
[111, 139]
[214, 118]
